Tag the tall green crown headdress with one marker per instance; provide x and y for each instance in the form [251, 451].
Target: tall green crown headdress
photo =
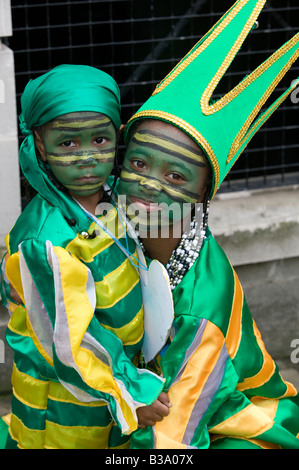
[222, 128]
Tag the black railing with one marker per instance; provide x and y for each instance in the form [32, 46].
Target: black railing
[139, 41]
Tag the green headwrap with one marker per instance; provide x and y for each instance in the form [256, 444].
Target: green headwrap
[64, 89]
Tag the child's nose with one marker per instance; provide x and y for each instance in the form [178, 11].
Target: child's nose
[86, 160]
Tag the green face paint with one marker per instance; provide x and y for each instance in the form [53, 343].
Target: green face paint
[80, 150]
[163, 166]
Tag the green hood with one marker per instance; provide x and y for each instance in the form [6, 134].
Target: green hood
[64, 89]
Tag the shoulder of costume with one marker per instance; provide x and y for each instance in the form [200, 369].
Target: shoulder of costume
[40, 220]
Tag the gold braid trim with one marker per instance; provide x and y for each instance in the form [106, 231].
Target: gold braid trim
[205, 99]
[240, 137]
[206, 41]
[261, 121]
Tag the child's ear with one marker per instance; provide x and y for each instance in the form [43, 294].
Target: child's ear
[120, 134]
[40, 145]
[120, 130]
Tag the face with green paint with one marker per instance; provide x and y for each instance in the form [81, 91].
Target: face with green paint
[163, 167]
[80, 149]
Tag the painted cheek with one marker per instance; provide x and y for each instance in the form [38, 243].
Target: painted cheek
[64, 175]
[172, 211]
[68, 177]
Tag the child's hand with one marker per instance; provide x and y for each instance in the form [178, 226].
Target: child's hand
[149, 415]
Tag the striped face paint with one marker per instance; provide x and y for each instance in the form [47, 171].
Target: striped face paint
[163, 165]
[80, 150]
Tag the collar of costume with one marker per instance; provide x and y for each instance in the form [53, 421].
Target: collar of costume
[64, 89]
[222, 128]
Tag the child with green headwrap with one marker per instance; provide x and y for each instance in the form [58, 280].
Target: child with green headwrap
[79, 324]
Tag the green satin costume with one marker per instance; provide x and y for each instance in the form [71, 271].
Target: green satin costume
[80, 325]
[225, 389]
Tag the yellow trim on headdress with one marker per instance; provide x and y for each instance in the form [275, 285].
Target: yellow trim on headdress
[155, 114]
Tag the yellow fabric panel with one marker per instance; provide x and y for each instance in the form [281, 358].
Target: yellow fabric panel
[267, 369]
[30, 391]
[116, 284]
[57, 392]
[56, 436]
[76, 437]
[165, 442]
[130, 333]
[249, 422]
[267, 405]
[98, 376]
[6, 240]
[18, 321]
[79, 311]
[234, 333]
[35, 393]
[12, 306]
[112, 222]
[265, 444]
[95, 373]
[7, 418]
[14, 274]
[27, 438]
[291, 390]
[187, 390]
[88, 249]
[258, 442]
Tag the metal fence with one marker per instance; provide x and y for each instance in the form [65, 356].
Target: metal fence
[139, 41]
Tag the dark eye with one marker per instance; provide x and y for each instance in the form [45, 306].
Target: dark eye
[68, 144]
[176, 177]
[139, 164]
[100, 140]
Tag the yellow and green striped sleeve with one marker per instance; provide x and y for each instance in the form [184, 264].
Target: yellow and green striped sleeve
[89, 360]
[225, 389]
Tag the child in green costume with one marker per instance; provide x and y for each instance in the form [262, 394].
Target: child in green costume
[225, 389]
[79, 324]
